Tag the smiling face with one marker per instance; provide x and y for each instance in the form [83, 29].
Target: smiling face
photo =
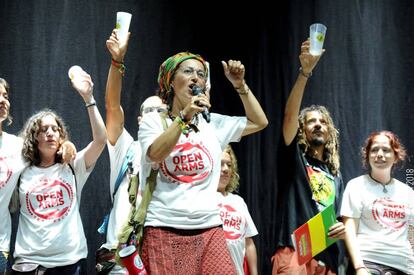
[316, 129]
[4, 103]
[48, 136]
[189, 73]
[225, 172]
[381, 154]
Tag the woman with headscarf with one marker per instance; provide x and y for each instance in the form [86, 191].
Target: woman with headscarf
[183, 233]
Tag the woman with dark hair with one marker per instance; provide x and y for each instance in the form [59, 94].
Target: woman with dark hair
[50, 234]
[183, 233]
[11, 165]
[377, 210]
[238, 225]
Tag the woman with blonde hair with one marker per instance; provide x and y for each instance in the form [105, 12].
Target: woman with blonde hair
[238, 225]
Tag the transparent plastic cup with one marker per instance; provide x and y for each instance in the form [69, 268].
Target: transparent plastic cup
[317, 34]
[123, 20]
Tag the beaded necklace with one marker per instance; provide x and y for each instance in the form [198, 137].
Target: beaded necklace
[192, 126]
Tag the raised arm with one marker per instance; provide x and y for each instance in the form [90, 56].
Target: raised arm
[290, 121]
[114, 113]
[84, 85]
[256, 118]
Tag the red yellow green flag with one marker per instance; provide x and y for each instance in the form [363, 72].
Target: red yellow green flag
[312, 237]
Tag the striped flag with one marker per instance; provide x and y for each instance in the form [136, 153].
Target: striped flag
[312, 237]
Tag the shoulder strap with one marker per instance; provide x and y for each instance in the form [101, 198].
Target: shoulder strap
[138, 214]
[74, 175]
[128, 158]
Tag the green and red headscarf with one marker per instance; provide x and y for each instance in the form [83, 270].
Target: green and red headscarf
[168, 68]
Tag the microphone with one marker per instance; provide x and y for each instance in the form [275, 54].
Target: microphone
[196, 91]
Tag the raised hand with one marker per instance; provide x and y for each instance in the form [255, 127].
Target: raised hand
[117, 47]
[84, 85]
[234, 71]
[308, 61]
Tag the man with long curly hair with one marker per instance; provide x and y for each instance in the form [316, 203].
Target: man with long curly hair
[310, 176]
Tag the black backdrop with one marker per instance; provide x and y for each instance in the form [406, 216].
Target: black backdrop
[364, 78]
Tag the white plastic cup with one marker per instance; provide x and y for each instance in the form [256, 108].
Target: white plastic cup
[123, 20]
[131, 260]
[317, 34]
[75, 71]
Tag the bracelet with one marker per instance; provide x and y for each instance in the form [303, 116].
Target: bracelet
[246, 91]
[182, 116]
[87, 105]
[119, 65]
[304, 74]
[182, 124]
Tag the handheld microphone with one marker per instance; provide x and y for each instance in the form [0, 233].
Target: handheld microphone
[196, 91]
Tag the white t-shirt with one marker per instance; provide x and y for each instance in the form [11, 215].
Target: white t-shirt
[237, 225]
[384, 219]
[50, 231]
[185, 192]
[11, 165]
[121, 205]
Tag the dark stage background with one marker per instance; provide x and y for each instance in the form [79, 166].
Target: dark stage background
[365, 77]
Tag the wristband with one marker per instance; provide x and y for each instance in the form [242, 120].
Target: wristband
[244, 87]
[90, 103]
[119, 65]
[182, 124]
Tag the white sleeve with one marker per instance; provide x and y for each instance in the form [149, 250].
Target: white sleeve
[149, 130]
[81, 173]
[251, 227]
[352, 201]
[228, 128]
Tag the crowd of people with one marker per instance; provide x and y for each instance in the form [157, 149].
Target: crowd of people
[194, 220]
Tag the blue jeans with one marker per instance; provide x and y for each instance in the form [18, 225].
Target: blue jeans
[3, 262]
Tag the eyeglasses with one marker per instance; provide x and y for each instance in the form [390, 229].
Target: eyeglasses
[152, 109]
[188, 71]
[45, 128]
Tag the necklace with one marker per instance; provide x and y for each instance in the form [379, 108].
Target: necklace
[192, 126]
[384, 185]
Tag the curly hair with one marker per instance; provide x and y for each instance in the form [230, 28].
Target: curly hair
[234, 177]
[31, 131]
[331, 151]
[395, 143]
[6, 86]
